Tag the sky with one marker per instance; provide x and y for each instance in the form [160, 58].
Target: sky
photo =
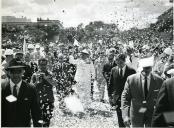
[125, 13]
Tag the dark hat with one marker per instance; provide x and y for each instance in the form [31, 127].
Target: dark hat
[15, 63]
[19, 53]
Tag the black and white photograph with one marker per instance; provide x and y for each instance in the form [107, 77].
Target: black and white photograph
[87, 63]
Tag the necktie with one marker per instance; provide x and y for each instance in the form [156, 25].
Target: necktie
[145, 88]
[15, 91]
[121, 72]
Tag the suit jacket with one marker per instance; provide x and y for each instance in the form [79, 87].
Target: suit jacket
[165, 103]
[133, 97]
[18, 113]
[29, 70]
[117, 83]
[107, 70]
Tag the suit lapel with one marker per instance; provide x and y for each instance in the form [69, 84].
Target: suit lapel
[8, 90]
[139, 84]
[125, 72]
[116, 72]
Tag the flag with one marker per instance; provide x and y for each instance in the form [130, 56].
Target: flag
[76, 43]
[24, 46]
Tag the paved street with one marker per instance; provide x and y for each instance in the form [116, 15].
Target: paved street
[98, 116]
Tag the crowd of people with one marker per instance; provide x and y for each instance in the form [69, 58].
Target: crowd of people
[139, 83]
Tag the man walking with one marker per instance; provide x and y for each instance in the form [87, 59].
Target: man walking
[19, 99]
[165, 106]
[107, 68]
[118, 78]
[139, 96]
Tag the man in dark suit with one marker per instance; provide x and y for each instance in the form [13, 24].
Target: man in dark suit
[43, 80]
[139, 96]
[107, 68]
[118, 78]
[164, 105]
[19, 99]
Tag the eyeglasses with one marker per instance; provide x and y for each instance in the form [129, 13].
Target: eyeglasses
[16, 71]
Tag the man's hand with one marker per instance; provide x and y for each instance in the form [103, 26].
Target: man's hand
[127, 121]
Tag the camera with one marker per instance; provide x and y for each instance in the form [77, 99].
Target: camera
[39, 77]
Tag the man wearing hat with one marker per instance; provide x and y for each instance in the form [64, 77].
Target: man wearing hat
[19, 55]
[162, 64]
[44, 83]
[139, 96]
[84, 77]
[118, 78]
[8, 57]
[19, 99]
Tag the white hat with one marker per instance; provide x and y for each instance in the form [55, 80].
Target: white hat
[8, 52]
[168, 51]
[37, 46]
[120, 42]
[85, 51]
[145, 47]
[60, 55]
[30, 46]
[112, 49]
[146, 62]
[51, 44]
[171, 71]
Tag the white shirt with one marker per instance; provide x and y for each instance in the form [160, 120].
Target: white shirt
[17, 87]
[143, 81]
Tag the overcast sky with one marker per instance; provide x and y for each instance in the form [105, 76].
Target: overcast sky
[125, 13]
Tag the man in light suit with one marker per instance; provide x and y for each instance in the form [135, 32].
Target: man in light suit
[165, 105]
[18, 99]
[139, 96]
[118, 78]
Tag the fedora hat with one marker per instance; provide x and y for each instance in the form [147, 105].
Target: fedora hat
[15, 64]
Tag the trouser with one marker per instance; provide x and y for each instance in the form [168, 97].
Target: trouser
[119, 116]
[119, 112]
[47, 112]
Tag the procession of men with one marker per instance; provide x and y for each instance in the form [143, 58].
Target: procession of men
[29, 79]
[87, 63]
